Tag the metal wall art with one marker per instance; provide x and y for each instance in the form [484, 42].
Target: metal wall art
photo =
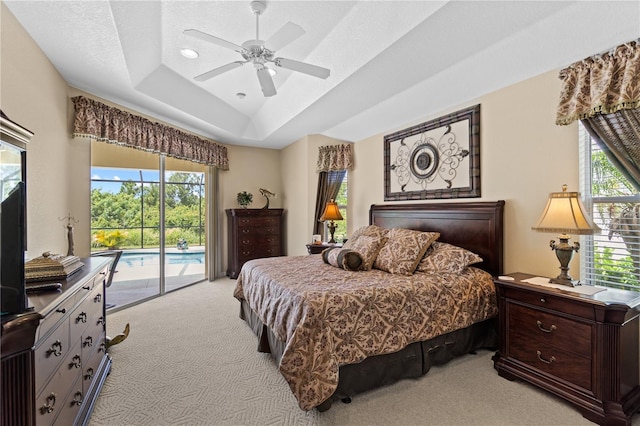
[436, 159]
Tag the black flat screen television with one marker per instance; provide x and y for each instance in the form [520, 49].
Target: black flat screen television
[13, 299]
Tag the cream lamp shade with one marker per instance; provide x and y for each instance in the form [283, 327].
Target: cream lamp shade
[565, 214]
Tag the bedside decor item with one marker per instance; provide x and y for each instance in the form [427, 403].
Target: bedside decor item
[564, 213]
[436, 159]
[244, 198]
[331, 213]
[267, 194]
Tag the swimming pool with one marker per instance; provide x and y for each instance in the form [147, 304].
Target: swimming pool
[133, 258]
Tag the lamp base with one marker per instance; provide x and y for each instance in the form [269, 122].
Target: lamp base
[564, 281]
[564, 253]
[332, 230]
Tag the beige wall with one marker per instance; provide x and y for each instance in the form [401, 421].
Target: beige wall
[524, 156]
[34, 95]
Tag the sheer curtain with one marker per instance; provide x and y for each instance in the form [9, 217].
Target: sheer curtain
[333, 163]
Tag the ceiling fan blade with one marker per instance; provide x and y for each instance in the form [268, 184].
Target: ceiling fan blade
[266, 82]
[284, 36]
[303, 67]
[217, 71]
[213, 39]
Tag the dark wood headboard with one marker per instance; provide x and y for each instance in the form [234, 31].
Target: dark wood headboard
[476, 226]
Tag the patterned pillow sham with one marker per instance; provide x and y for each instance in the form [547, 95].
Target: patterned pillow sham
[403, 250]
[443, 257]
[370, 230]
[367, 247]
[342, 258]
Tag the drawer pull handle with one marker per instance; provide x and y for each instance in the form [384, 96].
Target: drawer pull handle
[55, 349]
[89, 374]
[546, 330]
[98, 298]
[77, 398]
[546, 361]
[103, 347]
[75, 362]
[543, 300]
[49, 404]
[88, 341]
[86, 287]
[100, 321]
[61, 311]
[82, 317]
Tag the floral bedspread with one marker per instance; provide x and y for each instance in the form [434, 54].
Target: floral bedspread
[329, 317]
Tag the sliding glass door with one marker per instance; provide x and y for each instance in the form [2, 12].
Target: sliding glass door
[153, 209]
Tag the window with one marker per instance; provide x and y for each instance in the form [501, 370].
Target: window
[612, 256]
[341, 200]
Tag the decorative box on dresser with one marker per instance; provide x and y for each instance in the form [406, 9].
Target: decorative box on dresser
[54, 357]
[253, 234]
[583, 348]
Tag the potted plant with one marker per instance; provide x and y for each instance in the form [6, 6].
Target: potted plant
[244, 199]
[110, 240]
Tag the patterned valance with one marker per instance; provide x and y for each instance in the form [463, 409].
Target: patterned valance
[335, 157]
[108, 124]
[601, 84]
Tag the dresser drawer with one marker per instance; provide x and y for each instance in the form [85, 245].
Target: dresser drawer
[51, 400]
[549, 330]
[71, 406]
[552, 360]
[257, 253]
[266, 241]
[91, 367]
[546, 301]
[81, 316]
[50, 353]
[50, 321]
[258, 222]
[93, 335]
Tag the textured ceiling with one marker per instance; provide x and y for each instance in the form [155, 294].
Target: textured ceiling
[391, 62]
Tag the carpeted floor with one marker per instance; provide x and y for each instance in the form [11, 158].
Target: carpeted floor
[190, 360]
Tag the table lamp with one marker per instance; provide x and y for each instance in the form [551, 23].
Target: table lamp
[331, 213]
[565, 214]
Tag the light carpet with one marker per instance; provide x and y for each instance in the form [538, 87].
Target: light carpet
[190, 360]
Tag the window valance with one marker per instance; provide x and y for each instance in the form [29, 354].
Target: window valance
[108, 124]
[335, 158]
[601, 84]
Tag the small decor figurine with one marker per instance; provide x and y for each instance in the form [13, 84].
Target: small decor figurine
[244, 199]
[70, 221]
[267, 194]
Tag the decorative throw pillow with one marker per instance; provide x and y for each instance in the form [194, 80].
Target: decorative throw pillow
[367, 247]
[403, 250]
[370, 230]
[443, 257]
[342, 258]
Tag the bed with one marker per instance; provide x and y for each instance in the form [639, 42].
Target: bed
[335, 333]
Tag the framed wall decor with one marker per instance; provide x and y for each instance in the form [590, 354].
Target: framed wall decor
[436, 159]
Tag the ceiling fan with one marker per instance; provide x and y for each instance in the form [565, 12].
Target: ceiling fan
[259, 52]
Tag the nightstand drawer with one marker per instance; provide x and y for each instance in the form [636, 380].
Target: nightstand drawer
[551, 360]
[548, 330]
[555, 303]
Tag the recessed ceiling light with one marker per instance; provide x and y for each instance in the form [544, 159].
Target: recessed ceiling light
[189, 53]
[240, 95]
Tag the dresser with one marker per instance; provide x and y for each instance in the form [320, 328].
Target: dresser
[54, 356]
[582, 348]
[253, 234]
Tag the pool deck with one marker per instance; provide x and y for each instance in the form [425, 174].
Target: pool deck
[131, 284]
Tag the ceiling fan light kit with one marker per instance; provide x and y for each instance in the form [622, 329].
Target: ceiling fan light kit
[259, 53]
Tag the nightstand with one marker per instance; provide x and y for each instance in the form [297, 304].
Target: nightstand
[318, 248]
[582, 348]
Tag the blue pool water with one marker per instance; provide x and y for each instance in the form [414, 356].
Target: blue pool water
[153, 258]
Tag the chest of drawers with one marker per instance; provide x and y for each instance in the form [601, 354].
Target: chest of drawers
[583, 348]
[253, 234]
[54, 358]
